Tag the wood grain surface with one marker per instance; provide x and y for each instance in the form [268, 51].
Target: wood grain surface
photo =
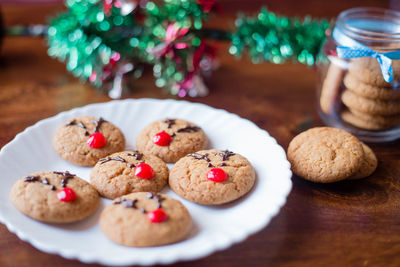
[353, 223]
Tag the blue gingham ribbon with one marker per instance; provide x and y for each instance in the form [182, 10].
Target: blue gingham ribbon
[353, 49]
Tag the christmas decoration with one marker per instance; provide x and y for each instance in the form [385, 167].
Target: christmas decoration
[103, 40]
[278, 39]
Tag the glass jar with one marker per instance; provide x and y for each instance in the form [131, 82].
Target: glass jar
[355, 90]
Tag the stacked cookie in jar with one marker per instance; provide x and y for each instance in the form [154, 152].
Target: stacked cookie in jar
[360, 76]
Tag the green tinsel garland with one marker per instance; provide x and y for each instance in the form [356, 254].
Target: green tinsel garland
[276, 39]
[96, 39]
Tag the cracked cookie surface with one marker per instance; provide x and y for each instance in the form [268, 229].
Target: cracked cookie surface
[188, 177]
[186, 137]
[325, 154]
[114, 175]
[70, 140]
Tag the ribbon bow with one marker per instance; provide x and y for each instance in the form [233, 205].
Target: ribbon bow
[173, 34]
[356, 50]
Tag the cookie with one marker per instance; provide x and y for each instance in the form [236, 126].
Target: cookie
[367, 70]
[369, 91]
[171, 139]
[325, 154]
[331, 88]
[370, 106]
[368, 165]
[54, 197]
[212, 177]
[145, 220]
[369, 122]
[129, 171]
[385, 120]
[85, 140]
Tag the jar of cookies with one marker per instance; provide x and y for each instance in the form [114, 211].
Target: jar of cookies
[359, 85]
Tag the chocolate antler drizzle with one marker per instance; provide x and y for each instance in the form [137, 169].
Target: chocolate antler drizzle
[67, 175]
[98, 124]
[79, 124]
[226, 154]
[170, 122]
[157, 198]
[118, 158]
[135, 154]
[188, 129]
[32, 179]
[127, 203]
[199, 156]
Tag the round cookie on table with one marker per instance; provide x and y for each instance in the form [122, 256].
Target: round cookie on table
[145, 219]
[126, 172]
[171, 139]
[325, 155]
[54, 197]
[368, 166]
[84, 140]
[212, 177]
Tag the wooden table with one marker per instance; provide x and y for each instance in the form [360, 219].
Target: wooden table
[345, 224]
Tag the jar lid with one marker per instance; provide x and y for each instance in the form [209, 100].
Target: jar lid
[373, 27]
[369, 32]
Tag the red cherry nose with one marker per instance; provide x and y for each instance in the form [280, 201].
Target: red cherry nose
[162, 139]
[66, 194]
[157, 216]
[216, 175]
[144, 171]
[96, 140]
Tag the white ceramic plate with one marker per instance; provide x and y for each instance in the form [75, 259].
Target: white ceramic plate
[215, 228]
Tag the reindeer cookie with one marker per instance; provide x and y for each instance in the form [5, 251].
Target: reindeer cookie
[145, 220]
[84, 140]
[129, 171]
[171, 139]
[58, 197]
[212, 177]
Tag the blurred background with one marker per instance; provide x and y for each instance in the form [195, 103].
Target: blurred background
[27, 73]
